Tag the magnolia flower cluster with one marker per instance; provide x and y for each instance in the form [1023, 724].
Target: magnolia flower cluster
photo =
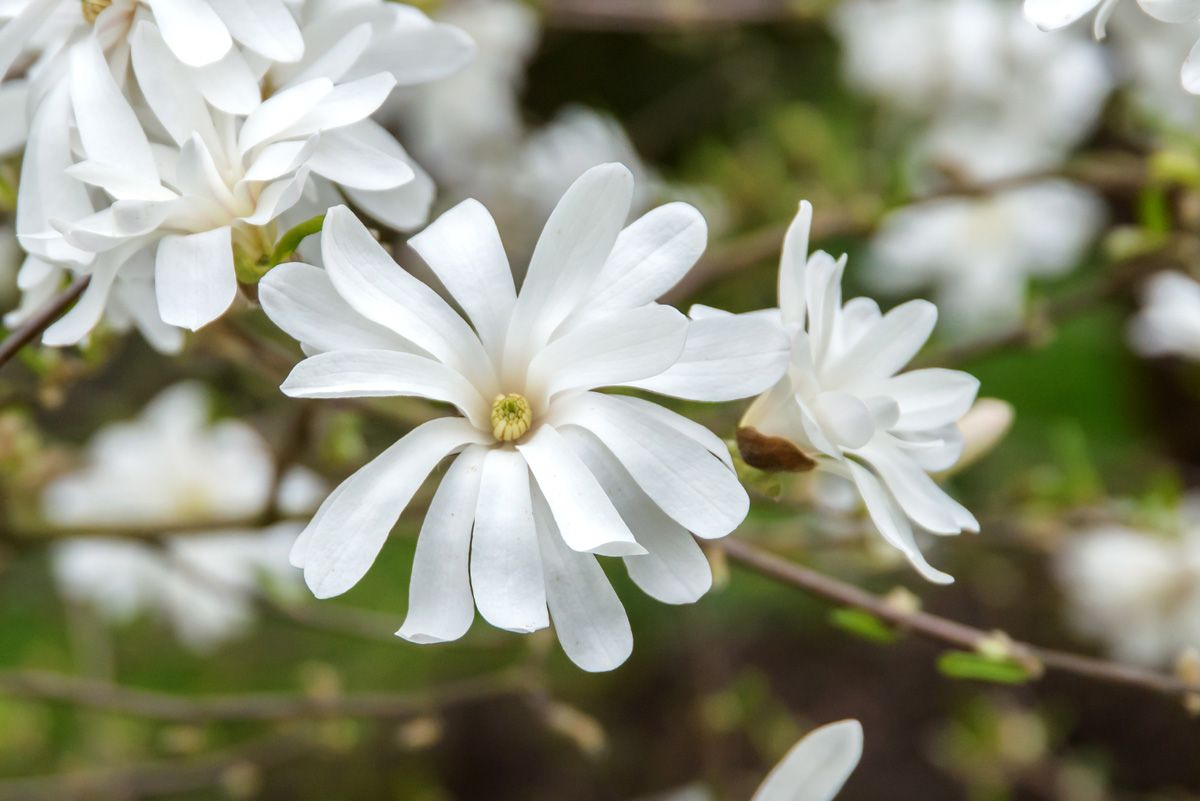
[168, 142]
[548, 472]
[992, 99]
[173, 468]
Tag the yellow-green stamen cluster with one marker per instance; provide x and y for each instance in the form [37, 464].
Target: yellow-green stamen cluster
[511, 417]
[92, 9]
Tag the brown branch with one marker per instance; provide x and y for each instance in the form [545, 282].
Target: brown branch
[42, 319]
[261, 707]
[948, 631]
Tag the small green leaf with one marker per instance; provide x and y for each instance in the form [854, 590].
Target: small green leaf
[976, 667]
[864, 625]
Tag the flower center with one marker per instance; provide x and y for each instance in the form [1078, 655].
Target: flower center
[92, 9]
[511, 417]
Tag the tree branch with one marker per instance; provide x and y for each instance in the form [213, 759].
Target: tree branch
[948, 631]
[42, 319]
[262, 707]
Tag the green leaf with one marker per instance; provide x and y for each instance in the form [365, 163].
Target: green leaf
[976, 667]
[863, 624]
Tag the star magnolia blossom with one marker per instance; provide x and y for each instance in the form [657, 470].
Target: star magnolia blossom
[844, 407]
[1138, 592]
[1169, 321]
[171, 467]
[547, 471]
[815, 769]
[980, 252]
[180, 208]
[1050, 15]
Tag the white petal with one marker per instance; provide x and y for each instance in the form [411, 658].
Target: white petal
[922, 500]
[74, 326]
[440, 605]
[792, 263]
[17, 32]
[689, 428]
[892, 524]
[725, 358]
[844, 418]
[416, 55]
[229, 84]
[46, 189]
[194, 278]
[281, 111]
[403, 208]
[1191, 70]
[14, 125]
[464, 250]
[108, 127]
[192, 29]
[1173, 11]
[301, 300]
[817, 766]
[650, 256]
[384, 373]
[691, 485]
[264, 26]
[584, 514]
[278, 197]
[279, 159]
[506, 567]
[823, 294]
[348, 531]
[1050, 15]
[384, 293]
[674, 570]
[336, 60]
[571, 251]
[622, 346]
[932, 397]
[168, 89]
[589, 620]
[888, 346]
[348, 161]
[347, 104]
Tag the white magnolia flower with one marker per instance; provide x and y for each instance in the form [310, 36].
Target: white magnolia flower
[1147, 53]
[547, 470]
[1138, 592]
[996, 98]
[844, 406]
[182, 204]
[980, 252]
[171, 467]
[815, 769]
[1169, 321]
[1051, 15]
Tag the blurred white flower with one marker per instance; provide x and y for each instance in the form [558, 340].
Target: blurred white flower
[1138, 592]
[980, 252]
[844, 406]
[815, 769]
[171, 467]
[475, 115]
[1168, 323]
[995, 97]
[1147, 54]
[548, 471]
[1051, 15]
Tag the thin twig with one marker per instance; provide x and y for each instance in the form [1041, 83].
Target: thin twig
[948, 631]
[263, 707]
[42, 319]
